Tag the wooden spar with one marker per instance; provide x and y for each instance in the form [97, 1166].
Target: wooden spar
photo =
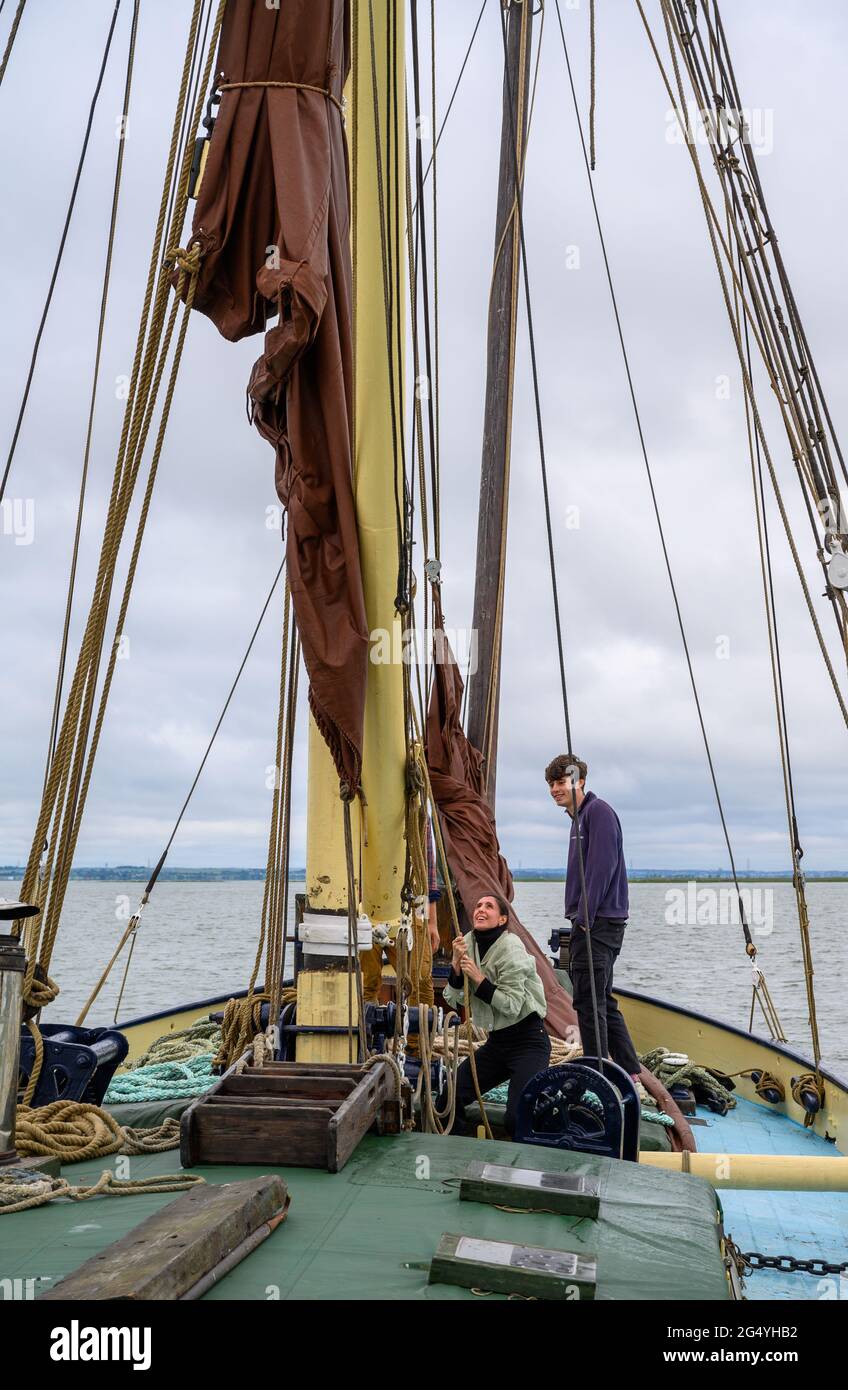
[755, 1172]
[379, 856]
[484, 692]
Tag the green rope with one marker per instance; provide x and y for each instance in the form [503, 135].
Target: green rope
[198, 1040]
[681, 1071]
[162, 1081]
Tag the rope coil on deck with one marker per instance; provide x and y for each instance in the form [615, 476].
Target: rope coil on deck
[74, 1131]
[21, 1189]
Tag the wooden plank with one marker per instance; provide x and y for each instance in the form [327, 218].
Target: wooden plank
[502, 1267]
[166, 1255]
[279, 1105]
[253, 1083]
[307, 1069]
[355, 1117]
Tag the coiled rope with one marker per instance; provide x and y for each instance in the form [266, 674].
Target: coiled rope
[671, 1071]
[21, 1189]
[162, 1081]
[75, 1131]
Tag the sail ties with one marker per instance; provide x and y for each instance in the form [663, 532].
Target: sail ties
[295, 86]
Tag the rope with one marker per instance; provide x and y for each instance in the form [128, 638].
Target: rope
[592, 66]
[747, 263]
[353, 962]
[162, 1081]
[454, 92]
[242, 1023]
[74, 1131]
[550, 536]
[765, 999]
[20, 1190]
[809, 1083]
[201, 1037]
[64, 798]
[68, 215]
[406, 1122]
[19, 13]
[296, 86]
[716, 241]
[134, 922]
[675, 1069]
[442, 860]
[107, 275]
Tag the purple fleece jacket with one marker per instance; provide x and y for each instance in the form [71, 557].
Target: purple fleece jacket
[603, 860]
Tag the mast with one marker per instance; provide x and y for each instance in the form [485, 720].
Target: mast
[484, 692]
[379, 305]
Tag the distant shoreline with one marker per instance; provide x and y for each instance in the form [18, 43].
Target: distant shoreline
[134, 873]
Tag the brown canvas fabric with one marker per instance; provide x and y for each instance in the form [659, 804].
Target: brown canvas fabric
[468, 826]
[273, 224]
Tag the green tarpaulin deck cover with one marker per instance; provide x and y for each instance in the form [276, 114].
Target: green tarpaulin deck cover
[370, 1231]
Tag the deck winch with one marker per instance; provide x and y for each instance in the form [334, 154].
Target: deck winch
[580, 1106]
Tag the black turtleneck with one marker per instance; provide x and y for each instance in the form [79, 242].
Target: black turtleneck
[485, 942]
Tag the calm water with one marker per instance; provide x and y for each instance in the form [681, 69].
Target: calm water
[199, 939]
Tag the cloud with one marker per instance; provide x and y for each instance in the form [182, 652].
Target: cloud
[209, 556]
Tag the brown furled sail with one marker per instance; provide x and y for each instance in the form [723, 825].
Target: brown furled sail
[273, 225]
[467, 820]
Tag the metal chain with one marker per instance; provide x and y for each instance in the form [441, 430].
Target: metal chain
[788, 1264]
[746, 1261]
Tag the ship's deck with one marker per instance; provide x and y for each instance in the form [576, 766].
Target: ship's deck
[806, 1225]
[370, 1231]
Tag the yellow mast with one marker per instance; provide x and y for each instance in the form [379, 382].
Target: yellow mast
[379, 275]
[379, 256]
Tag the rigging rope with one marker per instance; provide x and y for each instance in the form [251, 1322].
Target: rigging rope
[19, 14]
[107, 273]
[134, 921]
[242, 1017]
[64, 237]
[717, 241]
[444, 867]
[550, 538]
[65, 794]
[453, 94]
[592, 83]
[763, 994]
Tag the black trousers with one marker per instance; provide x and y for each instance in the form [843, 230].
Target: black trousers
[512, 1054]
[607, 940]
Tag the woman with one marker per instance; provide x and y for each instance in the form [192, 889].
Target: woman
[506, 999]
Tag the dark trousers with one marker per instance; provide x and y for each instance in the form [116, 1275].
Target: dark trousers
[607, 940]
[512, 1054]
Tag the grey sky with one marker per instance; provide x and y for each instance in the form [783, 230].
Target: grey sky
[209, 557]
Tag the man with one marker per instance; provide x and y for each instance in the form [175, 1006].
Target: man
[507, 999]
[605, 909]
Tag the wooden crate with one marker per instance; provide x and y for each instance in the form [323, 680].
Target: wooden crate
[303, 1115]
